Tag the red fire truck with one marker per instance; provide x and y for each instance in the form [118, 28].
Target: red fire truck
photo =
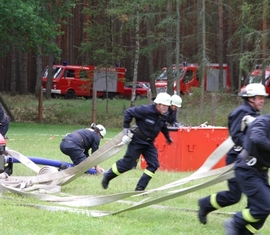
[256, 77]
[189, 77]
[71, 81]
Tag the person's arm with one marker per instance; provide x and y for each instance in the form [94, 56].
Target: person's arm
[259, 135]
[99, 170]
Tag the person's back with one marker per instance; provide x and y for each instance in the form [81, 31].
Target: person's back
[4, 122]
[77, 144]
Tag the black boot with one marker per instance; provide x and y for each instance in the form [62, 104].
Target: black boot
[107, 176]
[139, 188]
[204, 208]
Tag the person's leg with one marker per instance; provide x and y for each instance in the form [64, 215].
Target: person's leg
[75, 153]
[220, 199]
[254, 185]
[126, 163]
[151, 157]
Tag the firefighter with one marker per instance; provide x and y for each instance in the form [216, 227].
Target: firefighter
[4, 123]
[78, 143]
[251, 174]
[176, 102]
[254, 97]
[150, 120]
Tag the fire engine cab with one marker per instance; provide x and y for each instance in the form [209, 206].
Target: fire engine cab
[256, 77]
[71, 81]
[189, 77]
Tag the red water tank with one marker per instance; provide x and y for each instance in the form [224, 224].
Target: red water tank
[190, 148]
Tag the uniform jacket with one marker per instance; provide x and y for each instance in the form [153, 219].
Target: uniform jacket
[89, 139]
[149, 121]
[234, 123]
[172, 116]
[257, 140]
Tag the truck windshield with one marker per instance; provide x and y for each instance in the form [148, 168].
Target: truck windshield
[56, 72]
[255, 79]
[163, 75]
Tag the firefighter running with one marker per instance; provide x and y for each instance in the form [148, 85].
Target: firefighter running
[150, 120]
[251, 173]
[254, 97]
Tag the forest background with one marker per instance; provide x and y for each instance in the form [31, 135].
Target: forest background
[142, 36]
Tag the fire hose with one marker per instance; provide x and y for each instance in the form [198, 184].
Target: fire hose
[22, 185]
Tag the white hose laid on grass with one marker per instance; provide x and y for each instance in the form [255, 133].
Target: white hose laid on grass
[105, 152]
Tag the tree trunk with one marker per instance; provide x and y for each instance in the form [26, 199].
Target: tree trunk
[264, 38]
[230, 58]
[23, 72]
[204, 60]
[149, 32]
[49, 78]
[13, 74]
[220, 43]
[136, 59]
[177, 52]
[38, 74]
[169, 50]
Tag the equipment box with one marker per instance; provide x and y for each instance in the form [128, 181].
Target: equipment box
[190, 148]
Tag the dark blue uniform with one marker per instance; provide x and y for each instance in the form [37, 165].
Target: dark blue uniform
[233, 195]
[149, 123]
[172, 120]
[4, 122]
[77, 144]
[251, 173]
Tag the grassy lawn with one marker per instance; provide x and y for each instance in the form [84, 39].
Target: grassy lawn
[176, 216]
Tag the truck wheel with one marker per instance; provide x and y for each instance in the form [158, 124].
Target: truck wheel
[70, 94]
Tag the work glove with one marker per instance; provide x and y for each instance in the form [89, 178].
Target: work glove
[169, 141]
[126, 131]
[175, 124]
[126, 139]
[246, 121]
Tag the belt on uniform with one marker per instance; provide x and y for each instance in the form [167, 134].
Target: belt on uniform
[253, 162]
[135, 130]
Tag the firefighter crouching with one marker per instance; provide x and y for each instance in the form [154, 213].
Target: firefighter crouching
[150, 120]
[78, 143]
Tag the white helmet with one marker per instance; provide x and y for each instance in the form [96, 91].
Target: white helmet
[252, 90]
[176, 100]
[101, 129]
[163, 98]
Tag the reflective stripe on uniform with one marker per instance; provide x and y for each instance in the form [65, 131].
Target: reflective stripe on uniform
[248, 217]
[115, 170]
[149, 173]
[213, 201]
[251, 229]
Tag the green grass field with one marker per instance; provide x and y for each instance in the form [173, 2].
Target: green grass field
[175, 216]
